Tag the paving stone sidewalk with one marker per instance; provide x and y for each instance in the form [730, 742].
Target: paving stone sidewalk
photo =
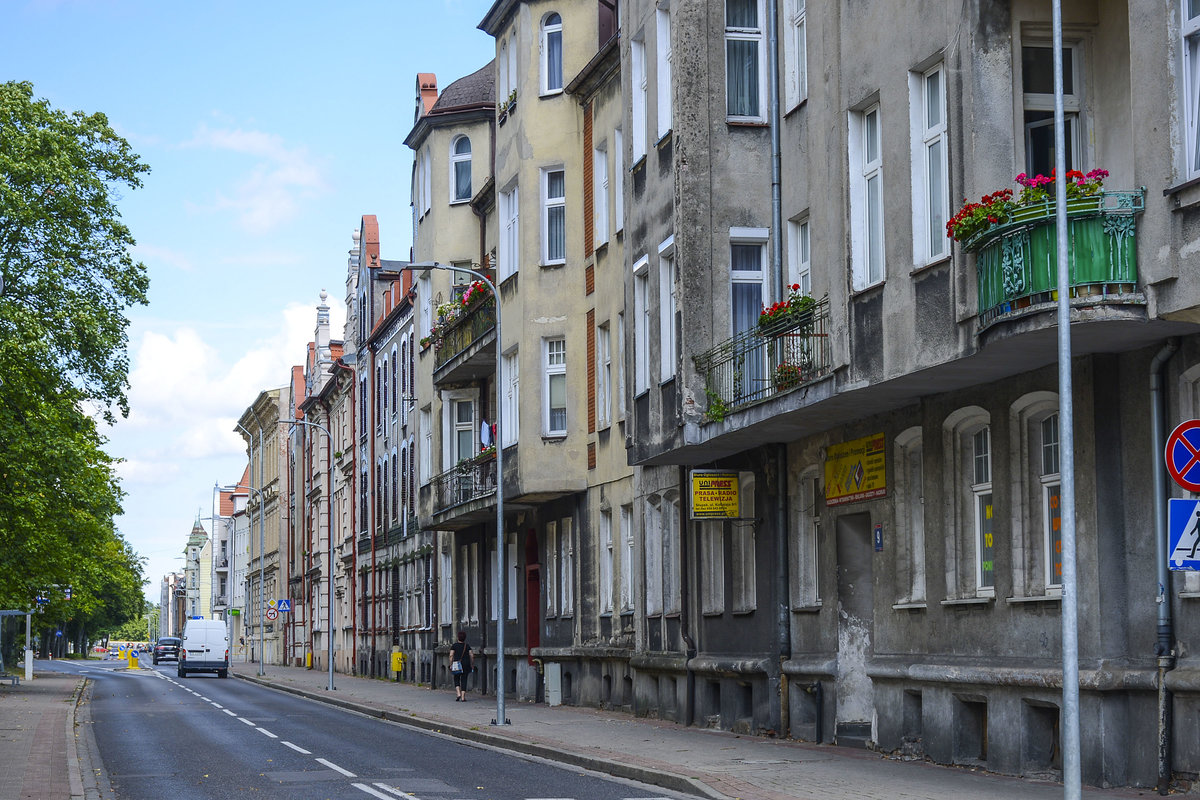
[38, 757]
[712, 764]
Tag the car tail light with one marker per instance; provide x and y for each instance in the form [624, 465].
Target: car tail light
[226, 655]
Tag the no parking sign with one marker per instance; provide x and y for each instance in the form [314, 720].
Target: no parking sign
[1183, 455]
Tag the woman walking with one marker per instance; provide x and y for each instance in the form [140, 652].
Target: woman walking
[461, 662]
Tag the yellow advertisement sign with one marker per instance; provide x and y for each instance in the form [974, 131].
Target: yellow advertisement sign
[715, 495]
[856, 471]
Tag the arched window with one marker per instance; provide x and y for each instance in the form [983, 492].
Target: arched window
[460, 169]
[552, 67]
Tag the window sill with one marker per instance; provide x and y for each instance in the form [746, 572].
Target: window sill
[799, 104]
[969, 601]
[809, 609]
[919, 268]
[746, 123]
[743, 612]
[664, 139]
[599, 246]
[463, 201]
[551, 93]
[1188, 595]
[669, 379]
[855, 294]
[1037, 598]
[554, 437]
[918, 606]
[553, 264]
[712, 614]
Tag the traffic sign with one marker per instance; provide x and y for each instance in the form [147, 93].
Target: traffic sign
[1183, 455]
[272, 613]
[272, 603]
[1183, 534]
[285, 606]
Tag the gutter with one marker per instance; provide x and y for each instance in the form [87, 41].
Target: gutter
[1164, 649]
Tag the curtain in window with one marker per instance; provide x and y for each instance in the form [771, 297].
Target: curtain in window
[741, 13]
[558, 402]
[462, 180]
[554, 79]
[741, 79]
[556, 215]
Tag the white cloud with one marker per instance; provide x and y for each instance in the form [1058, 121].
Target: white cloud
[274, 188]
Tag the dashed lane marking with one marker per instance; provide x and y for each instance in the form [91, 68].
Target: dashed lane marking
[248, 722]
[266, 732]
[336, 768]
[393, 790]
[230, 713]
[296, 747]
[362, 787]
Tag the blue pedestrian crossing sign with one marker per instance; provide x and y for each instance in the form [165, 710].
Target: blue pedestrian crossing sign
[1183, 534]
[285, 605]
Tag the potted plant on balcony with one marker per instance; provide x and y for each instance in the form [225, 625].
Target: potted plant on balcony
[789, 374]
[790, 308]
[1035, 201]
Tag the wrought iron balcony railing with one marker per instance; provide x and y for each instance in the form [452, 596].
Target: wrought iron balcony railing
[461, 333]
[470, 480]
[758, 364]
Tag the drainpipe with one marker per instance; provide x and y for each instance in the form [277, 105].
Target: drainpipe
[782, 584]
[1165, 647]
[685, 617]
[340, 364]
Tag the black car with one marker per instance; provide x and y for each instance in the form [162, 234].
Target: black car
[166, 647]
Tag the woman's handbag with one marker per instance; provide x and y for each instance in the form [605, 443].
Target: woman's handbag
[456, 667]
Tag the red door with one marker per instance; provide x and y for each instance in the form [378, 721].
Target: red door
[533, 595]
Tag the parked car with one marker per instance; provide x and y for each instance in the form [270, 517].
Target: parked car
[205, 648]
[166, 647]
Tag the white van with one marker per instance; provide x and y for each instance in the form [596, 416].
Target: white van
[205, 648]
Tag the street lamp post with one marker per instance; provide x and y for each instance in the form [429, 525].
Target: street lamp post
[328, 536]
[262, 556]
[502, 578]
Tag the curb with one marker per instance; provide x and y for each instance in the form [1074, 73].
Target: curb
[665, 780]
[74, 774]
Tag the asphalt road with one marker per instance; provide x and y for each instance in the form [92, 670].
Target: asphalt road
[203, 737]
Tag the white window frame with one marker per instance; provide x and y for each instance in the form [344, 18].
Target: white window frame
[983, 507]
[800, 254]
[910, 516]
[868, 249]
[603, 376]
[600, 195]
[806, 587]
[427, 189]
[566, 543]
[552, 367]
[755, 35]
[509, 203]
[625, 537]
[605, 560]
[669, 519]
[510, 409]
[637, 55]
[930, 166]
[549, 29]
[795, 53]
[1189, 33]
[457, 158]
[620, 359]
[504, 81]
[756, 237]
[426, 454]
[664, 58]
[1049, 455]
[549, 205]
[652, 555]
[641, 325]
[745, 562]
[552, 568]
[667, 308]
[712, 567]
[1044, 102]
[618, 181]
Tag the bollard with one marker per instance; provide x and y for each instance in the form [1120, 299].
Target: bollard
[133, 658]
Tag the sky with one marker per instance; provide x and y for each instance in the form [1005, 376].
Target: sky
[270, 128]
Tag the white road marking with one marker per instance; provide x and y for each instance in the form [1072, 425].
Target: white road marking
[297, 748]
[266, 732]
[248, 722]
[362, 787]
[230, 713]
[336, 768]
[216, 704]
[397, 792]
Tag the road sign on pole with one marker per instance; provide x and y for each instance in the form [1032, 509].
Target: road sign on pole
[272, 613]
[284, 606]
[1183, 534]
[1183, 455]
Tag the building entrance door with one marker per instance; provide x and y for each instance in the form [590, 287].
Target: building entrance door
[856, 612]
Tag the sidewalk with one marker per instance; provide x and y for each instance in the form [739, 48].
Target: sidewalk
[38, 757]
[712, 764]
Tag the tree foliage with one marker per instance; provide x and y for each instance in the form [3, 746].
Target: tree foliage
[68, 281]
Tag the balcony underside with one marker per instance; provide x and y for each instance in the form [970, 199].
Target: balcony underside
[1019, 347]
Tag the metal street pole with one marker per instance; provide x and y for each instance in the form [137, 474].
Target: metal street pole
[1066, 424]
[502, 577]
[328, 536]
[262, 558]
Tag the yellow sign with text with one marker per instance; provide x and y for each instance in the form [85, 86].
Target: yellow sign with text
[715, 495]
[856, 471]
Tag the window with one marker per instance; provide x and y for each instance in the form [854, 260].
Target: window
[463, 445]
[606, 561]
[494, 593]
[744, 73]
[567, 548]
[652, 555]
[556, 387]
[426, 181]
[670, 552]
[712, 567]
[910, 517]
[637, 55]
[745, 567]
[806, 592]
[554, 217]
[866, 198]
[663, 53]
[460, 169]
[800, 262]
[625, 536]
[510, 234]
[551, 569]
[603, 376]
[552, 54]
[1051, 505]
[1037, 83]
[505, 82]
[619, 180]
[509, 414]
[600, 195]
[1190, 30]
[1035, 502]
[931, 191]
[641, 326]
[746, 276]
[620, 365]
[795, 52]
[426, 460]
[666, 309]
[981, 489]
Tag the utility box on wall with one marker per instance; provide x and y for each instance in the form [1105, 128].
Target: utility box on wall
[554, 684]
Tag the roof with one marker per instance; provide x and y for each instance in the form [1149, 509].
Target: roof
[469, 91]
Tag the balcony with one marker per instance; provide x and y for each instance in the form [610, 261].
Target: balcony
[770, 360]
[1017, 262]
[222, 564]
[464, 495]
[463, 348]
[220, 601]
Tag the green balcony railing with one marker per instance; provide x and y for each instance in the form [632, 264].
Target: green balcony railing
[462, 332]
[769, 360]
[1017, 261]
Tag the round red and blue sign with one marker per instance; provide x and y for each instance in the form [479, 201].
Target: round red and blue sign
[1183, 455]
